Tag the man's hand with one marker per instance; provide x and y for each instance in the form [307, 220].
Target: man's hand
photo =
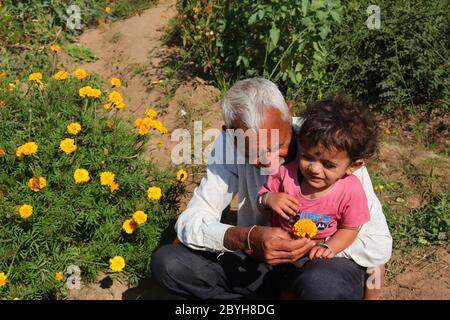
[282, 203]
[275, 246]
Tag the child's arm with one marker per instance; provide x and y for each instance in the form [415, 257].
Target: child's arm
[270, 197]
[341, 240]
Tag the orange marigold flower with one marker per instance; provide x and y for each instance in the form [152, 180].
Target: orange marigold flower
[140, 217]
[129, 226]
[59, 276]
[115, 82]
[80, 74]
[74, 128]
[27, 149]
[68, 146]
[304, 228]
[61, 75]
[3, 279]
[55, 48]
[81, 176]
[107, 178]
[154, 193]
[25, 211]
[2, 152]
[37, 183]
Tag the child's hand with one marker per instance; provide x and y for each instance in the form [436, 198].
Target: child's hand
[319, 252]
[282, 203]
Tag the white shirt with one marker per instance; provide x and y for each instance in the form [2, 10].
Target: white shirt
[199, 226]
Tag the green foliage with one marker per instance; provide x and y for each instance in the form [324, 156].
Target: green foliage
[314, 47]
[427, 225]
[80, 54]
[79, 224]
[27, 28]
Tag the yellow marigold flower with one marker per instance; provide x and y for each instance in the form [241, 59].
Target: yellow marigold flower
[11, 86]
[95, 93]
[25, 211]
[117, 263]
[108, 9]
[2, 103]
[143, 130]
[3, 279]
[37, 183]
[108, 125]
[85, 91]
[304, 228]
[107, 178]
[139, 217]
[61, 75]
[27, 149]
[35, 76]
[154, 193]
[68, 146]
[114, 186]
[151, 113]
[181, 175]
[74, 128]
[59, 276]
[120, 105]
[129, 226]
[115, 82]
[107, 106]
[80, 74]
[81, 176]
[115, 97]
[2, 152]
[196, 9]
[55, 48]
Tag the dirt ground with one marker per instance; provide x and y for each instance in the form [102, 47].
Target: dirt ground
[132, 50]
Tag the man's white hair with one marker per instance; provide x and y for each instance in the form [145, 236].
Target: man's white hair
[248, 101]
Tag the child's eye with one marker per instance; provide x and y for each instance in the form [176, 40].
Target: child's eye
[328, 165]
[307, 157]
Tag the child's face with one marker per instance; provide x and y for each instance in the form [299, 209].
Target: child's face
[323, 167]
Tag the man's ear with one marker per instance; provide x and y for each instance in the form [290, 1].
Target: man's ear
[290, 108]
[355, 165]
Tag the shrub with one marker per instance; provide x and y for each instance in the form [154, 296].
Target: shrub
[315, 47]
[73, 223]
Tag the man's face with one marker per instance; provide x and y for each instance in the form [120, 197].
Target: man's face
[268, 147]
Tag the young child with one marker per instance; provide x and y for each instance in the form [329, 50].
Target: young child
[335, 138]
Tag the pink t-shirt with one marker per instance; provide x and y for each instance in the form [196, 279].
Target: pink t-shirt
[343, 205]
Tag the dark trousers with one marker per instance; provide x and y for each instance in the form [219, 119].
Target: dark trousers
[193, 274]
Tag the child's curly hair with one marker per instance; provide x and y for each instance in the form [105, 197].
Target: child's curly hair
[340, 123]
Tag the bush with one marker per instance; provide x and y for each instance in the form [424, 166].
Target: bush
[314, 47]
[427, 225]
[73, 224]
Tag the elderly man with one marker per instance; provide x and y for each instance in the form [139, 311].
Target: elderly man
[221, 261]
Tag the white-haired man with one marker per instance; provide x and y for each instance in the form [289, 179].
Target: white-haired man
[221, 261]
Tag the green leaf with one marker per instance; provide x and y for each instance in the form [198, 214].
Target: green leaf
[274, 35]
[305, 5]
[335, 15]
[252, 18]
[317, 4]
